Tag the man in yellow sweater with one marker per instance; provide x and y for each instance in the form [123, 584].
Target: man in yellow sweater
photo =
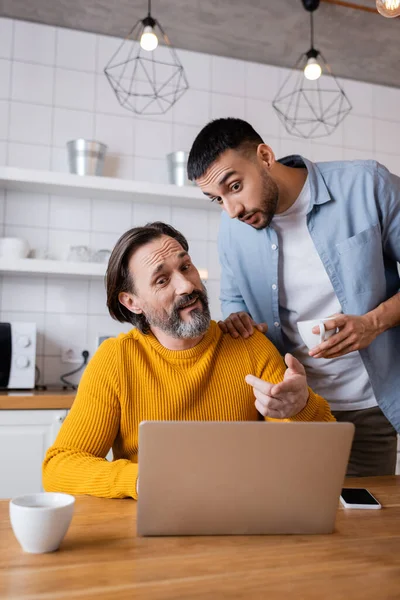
[175, 364]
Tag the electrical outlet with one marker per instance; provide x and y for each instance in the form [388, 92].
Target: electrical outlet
[71, 354]
[101, 338]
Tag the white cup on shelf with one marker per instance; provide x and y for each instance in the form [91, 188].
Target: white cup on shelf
[40, 521]
[13, 247]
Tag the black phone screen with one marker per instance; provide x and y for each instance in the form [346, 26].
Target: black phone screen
[358, 496]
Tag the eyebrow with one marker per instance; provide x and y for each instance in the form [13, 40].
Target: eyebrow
[161, 266]
[222, 181]
[226, 177]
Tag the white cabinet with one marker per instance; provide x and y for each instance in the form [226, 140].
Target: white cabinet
[25, 435]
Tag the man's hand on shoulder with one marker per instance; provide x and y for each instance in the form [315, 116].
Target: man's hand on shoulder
[282, 400]
[241, 324]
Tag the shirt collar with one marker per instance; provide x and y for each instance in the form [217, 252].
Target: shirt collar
[318, 189]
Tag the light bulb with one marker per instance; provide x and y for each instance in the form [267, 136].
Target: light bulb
[149, 40]
[312, 70]
[388, 8]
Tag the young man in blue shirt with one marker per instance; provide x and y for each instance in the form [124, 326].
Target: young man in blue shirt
[301, 240]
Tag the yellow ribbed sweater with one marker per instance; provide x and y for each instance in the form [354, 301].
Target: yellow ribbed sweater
[134, 378]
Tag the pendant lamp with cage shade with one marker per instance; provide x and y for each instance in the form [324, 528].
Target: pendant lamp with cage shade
[146, 77]
[311, 102]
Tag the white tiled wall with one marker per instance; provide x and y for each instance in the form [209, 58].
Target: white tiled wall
[52, 89]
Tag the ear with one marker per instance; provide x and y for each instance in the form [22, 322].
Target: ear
[130, 302]
[266, 155]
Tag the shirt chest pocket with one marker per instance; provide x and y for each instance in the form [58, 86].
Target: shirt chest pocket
[361, 261]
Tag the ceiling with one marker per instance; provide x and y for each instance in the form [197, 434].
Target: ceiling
[358, 44]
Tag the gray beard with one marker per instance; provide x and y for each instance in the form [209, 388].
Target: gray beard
[175, 327]
[198, 324]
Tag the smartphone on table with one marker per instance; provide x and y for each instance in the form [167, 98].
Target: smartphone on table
[358, 498]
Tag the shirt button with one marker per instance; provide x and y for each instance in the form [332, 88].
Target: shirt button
[276, 324]
[273, 286]
[274, 246]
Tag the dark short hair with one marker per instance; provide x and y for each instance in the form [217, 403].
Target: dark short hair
[217, 137]
[118, 277]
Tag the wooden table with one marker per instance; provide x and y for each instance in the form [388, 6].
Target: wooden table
[101, 558]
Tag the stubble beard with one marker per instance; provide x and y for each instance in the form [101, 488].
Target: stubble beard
[269, 202]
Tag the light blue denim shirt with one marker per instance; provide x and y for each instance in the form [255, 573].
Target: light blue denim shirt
[354, 222]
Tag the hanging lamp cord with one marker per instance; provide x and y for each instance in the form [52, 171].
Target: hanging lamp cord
[312, 30]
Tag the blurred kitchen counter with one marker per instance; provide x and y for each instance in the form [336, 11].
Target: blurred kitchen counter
[32, 399]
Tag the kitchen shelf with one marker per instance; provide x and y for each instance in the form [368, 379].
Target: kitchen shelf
[51, 267]
[33, 266]
[106, 188]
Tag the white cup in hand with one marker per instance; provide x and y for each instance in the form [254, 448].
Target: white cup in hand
[314, 339]
[40, 521]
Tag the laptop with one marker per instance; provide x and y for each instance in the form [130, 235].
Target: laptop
[240, 478]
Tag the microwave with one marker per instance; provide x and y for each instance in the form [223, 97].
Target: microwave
[17, 355]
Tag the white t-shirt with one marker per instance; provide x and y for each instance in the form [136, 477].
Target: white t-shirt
[305, 292]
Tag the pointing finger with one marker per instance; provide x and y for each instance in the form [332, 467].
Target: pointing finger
[259, 384]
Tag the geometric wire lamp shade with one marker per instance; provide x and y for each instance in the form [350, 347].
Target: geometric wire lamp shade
[309, 105]
[146, 82]
[311, 109]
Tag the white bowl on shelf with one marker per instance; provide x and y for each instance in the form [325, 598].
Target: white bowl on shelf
[13, 247]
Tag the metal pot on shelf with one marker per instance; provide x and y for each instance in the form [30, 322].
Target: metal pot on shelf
[177, 168]
[86, 157]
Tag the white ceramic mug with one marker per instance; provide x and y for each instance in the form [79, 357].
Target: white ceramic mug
[313, 339]
[13, 247]
[40, 521]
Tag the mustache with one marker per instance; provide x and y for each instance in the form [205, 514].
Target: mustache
[187, 298]
[243, 216]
